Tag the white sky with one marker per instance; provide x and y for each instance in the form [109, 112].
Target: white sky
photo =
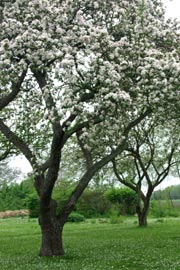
[21, 163]
[172, 8]
[173, 11]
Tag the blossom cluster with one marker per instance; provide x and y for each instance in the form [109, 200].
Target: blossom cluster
[104, 62]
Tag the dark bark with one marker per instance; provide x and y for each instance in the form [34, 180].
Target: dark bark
[142, 216]
[51, 230]
[52, 226]
[142, 210]
[51, 244]
[17, 141]
[16, 87]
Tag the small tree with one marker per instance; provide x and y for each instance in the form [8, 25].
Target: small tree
[147, 162]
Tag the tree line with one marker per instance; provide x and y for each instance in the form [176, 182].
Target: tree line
[171, 192]
[95, 202]
[103, 201]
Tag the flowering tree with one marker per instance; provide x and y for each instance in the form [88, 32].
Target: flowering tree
[86, 70]
[6, 149]
[151, 154]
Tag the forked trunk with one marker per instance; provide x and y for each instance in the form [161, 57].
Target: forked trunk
[142, 208]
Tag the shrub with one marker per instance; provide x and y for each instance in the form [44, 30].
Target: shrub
[76, 217]
[159, 213]
[157, 210]
[93, 221]
[125, 198]
[33, 205]
[160, 220]
[161, 209]
[173, 213]
[93, 203]
[116, 219]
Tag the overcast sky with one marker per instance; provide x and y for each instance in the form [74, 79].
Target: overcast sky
[173, 11]
[172, 8]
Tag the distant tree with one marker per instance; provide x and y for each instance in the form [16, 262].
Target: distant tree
[163, 194]
[11, 197]
[14, 196]
[150, 155]
[32, 203]
[8, 174]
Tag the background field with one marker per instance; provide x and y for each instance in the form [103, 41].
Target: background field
[92, 245]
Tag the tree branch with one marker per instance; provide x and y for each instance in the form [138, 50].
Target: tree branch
[53, 162]
[5, 154]
[86, 152]
[80, 126]
[16, 87]
[165, 172]
[18, 142]
[84, 181]
[120, 179]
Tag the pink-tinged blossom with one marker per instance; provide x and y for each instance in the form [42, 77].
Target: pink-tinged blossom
[100, 59]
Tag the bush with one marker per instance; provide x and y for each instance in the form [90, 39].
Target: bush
[160, 220]
[116, 219]
[173, 213]
[160, 209]
[158, 213]
[33, 206]
[93, 203]
[76, 217]
[125, 198]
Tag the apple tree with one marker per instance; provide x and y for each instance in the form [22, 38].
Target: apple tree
[81, 70]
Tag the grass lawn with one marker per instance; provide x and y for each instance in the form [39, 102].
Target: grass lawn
[93, 246]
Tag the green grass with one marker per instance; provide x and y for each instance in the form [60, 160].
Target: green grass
[93, 246]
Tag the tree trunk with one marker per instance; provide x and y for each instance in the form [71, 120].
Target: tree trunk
[142, 219]
[142, 207]
[51, 240]
[51, 230]
[142, 214]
